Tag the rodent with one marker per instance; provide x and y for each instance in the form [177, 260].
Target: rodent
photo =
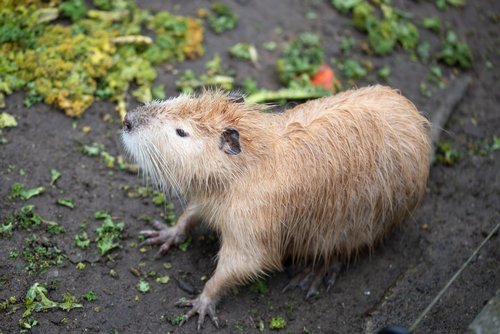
[317, 183]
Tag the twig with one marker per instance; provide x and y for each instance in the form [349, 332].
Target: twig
[450, 282]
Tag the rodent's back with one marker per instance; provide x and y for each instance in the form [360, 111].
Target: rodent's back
[353, 167]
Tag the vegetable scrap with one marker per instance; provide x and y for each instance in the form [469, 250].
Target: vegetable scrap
[222, 18]
[387, 26]
[99, 55]
[7, 121]
[108, 234]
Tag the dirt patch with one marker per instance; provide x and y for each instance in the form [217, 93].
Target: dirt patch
[391, 285]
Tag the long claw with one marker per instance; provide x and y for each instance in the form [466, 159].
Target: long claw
[184, 303]
[316, 282]
[184, 320]
[214, 318]
[311, 292]
[307, 281]
[310, 280]
[151, 241]
[296, 280]
[330, 281]
[149, 233]
[332, 274]
[201, 320]
[163, 249]
[190, 313]
[157, 225]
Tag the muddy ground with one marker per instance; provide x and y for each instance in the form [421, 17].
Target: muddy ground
[392, 285]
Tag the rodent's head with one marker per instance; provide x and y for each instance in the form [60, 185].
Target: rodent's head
[188, 141]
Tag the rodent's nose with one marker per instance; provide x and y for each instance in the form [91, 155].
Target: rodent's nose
[127, 125]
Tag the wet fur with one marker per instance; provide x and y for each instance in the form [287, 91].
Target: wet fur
[316, 183]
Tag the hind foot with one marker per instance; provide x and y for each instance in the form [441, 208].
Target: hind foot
[310, 279]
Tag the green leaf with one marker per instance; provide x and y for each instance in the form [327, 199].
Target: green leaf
[143, 286]
[384, 72]
[423, 51]
[66, 202]
[277, 323]
[18, 190]
[82, 240]
[250, 86]
[102, 215]
[407, 35]
[54, 176]
[352, 69]
[259, 287]
[158, 92]
[244, 51]
[446, 154]
[345, 6]
[158, 198]
[54, 228]
[269, 46]
[346, 44]
[382, 36]
[302, 56]
[455, 52]
[363, 17]
[92, 150]
[222, 18]
[496, 143]
[176, 321]
[74, 9]
[108, 234]
[432, 23]
[90, 296]
[37, 301]
[185, 245]
[7, 120]
[163, 279]
[69, 302]
[28, 217]
[6, 229]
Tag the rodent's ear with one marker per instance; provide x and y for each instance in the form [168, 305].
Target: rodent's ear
[236, 97]
[230, 141]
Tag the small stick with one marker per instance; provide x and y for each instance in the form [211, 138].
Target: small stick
[450, 282]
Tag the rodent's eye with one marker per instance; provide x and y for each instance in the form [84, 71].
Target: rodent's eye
[181, 133]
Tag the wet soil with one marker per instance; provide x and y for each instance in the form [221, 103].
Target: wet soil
[391, 285]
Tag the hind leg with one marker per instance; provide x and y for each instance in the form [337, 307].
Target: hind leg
[310, 279]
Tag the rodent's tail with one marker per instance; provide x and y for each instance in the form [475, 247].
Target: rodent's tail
[452, 96]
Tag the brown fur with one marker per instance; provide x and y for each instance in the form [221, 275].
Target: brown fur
[317, 183]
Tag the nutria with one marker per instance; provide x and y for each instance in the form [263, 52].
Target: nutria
[317, 183]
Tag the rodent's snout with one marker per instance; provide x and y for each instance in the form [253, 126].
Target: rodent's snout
[127, 124]
[131, 121]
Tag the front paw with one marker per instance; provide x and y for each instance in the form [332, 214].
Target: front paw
[201, 305]
[164, 235]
